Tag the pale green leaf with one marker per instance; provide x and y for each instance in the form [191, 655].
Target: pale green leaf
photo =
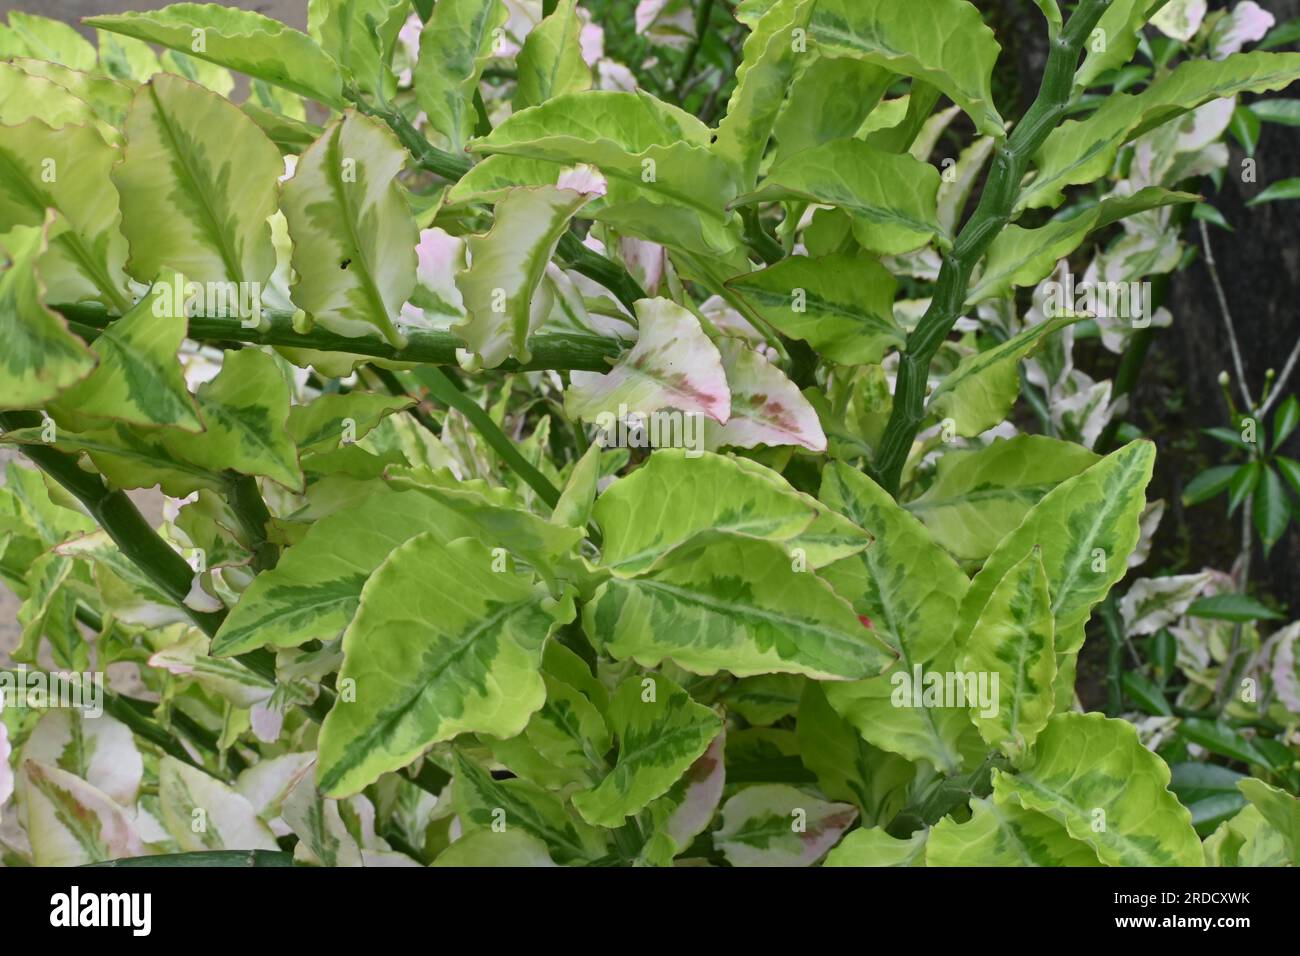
[456, 43]
[509, 848]
[1005, 834]
[242, 40]
[551, 63]
[202, 813]
[353, 235]
[1093, 775]
[875, 847]
[660, 732]
[430, 657]
[71, 823]
[777, 825]
[829, 99]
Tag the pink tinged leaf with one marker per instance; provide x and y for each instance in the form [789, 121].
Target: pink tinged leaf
[704, 782]
[592, 40]
[730, 322]
[584, 179]
[673, 365]
[72, 823]
[646, 261]
[1247, 23]
[6, 771]
[766, 407]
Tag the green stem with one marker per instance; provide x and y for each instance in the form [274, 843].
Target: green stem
[253, 517]
[444, 390]
[991, 215]
[561, 351]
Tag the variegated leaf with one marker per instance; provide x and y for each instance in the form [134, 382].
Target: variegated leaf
[1005, 834]
[766, 407]
[551, 63]
[202, 813]
[456, 43]
[777, 825]
[71, 823]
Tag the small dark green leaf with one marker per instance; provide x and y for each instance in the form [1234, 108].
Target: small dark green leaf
[1220, 739]
[1245, 128]
[1139, 689]
[1290, 469]
[1229, 436]
[1211, 215]
[1232, 607]
[1242, 484]
[1272, 510]
[1208, 484]
[1285, 421]
[1286, 112]
[1282, 189]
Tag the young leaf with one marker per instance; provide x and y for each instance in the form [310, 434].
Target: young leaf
[777, 825]
[1272, 509]
[430, 658]
[353, 236]
[1095, 777]
[661, 732]
[239, 39]
[1279, 808]
[841, 304]
[1239, 608]
[359, 35]
[458, 39]
[198, 181]
[829, 99]
[1013, 639]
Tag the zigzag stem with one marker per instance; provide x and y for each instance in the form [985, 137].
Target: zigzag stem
[991, 215]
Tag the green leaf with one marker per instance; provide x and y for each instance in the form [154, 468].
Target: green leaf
[225, 678]
[332, 420]
[484, 848]
[138, 379]
[359, 35]
[673, 365]
[1290, 469]
[1001, 833]
[764, 700]
[1272, 509]
[71, 823]
[430, 658]
[1087, 527]
[1013, 639]
[660, 733]
[875, 847]
[1285, 420]
[198, 182]
[1232, 607]
[1021, 257]
[841, 304]
[579, 494]
[1280, 809]
[1095, 777]
[353, 236]
[66, 170]
[1080, 151]
[980, 391]
[1243, 484]
[891, 197]
[550, 62]
[313, 592]
[1286, 112]
[777, 825]
[944, 42]
[1208, 484]
[100, 750]
[507, 265]
[1221, 739]
[830, 99]
[486, 805]
[202, 813]
[26, 92]
[713, 493]
[976, 496]
[909, 589]
[245, 409]
[1282, 189]
[1145, 694]
[41, 357]
[770, 57]
[723, 601]
[664, 183]
[1209, 791]
[456, 43]
[47, 39]
[239, 39]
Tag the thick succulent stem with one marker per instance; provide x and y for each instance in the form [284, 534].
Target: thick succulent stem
[990, 217]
